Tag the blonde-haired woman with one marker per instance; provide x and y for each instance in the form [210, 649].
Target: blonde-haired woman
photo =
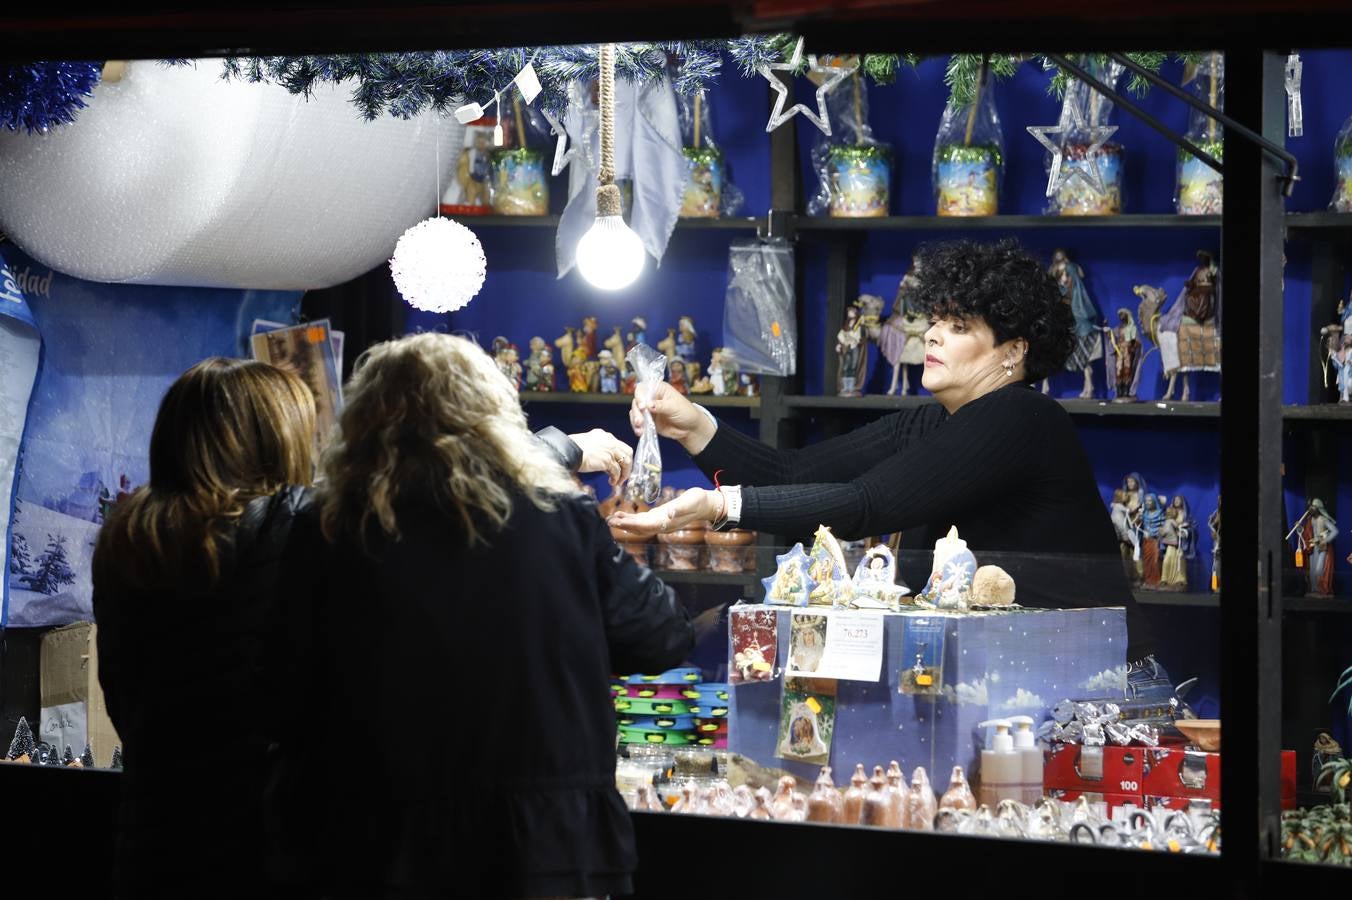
[183, 594]
[473, 611]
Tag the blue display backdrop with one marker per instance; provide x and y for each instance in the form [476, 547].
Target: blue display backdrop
[110, 352]
[521, 297]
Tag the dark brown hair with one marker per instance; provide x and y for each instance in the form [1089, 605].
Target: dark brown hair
[227, 431]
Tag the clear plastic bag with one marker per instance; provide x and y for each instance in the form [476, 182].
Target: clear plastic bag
[1082, 110]
[854, 171]
[1342, 163]
[759, 325]
[968, 163]
[709, 191]
[645, 478]
[519, 172]
[1198, 186]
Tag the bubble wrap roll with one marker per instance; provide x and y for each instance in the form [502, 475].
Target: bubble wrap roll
[173, 176]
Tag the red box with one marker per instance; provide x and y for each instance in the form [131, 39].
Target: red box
[1181, 803]
[1114, 800]
[1194, 774]
[1103, 770]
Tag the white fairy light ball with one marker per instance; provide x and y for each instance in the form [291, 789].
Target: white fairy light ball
[610, 255]
[438, 265]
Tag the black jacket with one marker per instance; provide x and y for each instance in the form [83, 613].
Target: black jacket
[459, 735]
[183, 676]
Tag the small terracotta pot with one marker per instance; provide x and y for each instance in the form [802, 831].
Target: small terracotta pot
[731, 552]
[636, 545]
[684, 548]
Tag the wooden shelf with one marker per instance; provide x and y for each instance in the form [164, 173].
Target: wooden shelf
[1298, 222]
[1300, 605]
[1168, 598]
[986, 223]
[745, 580]
[1319, 412]
[733, 223]
[1319, 221]
[625, 399]
[1074, 406]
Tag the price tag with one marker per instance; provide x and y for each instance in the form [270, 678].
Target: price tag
[468, 113]
[528, 82]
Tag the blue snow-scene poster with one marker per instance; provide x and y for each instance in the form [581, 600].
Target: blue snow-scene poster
[20, 353]
[109, 352]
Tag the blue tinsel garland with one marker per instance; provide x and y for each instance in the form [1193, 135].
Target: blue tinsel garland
[42, 94]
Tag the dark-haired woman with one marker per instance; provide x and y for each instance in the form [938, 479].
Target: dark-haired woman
[183, 593]
[994, 457]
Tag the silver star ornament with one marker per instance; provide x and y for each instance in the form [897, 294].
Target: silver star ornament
[833, 76]
[1059, 174]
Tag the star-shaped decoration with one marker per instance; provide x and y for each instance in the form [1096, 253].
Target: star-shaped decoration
[1073, 120]
[832, 77]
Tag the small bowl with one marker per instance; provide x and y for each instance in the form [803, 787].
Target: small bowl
[1205, 733]
[734, 538]
[683, 536]
[625, 536]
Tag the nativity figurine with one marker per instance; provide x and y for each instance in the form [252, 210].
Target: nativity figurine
[1088, 347]
[901, 339]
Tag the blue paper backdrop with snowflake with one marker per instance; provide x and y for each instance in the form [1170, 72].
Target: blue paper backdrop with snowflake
[110, 351]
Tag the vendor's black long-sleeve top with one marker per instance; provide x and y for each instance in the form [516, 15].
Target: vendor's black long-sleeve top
[1007, 469]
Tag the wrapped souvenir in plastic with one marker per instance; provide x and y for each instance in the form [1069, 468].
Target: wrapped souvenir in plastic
[854, 171]
[519, 182]
[709, 193]
[1198, 186]
[1342, 164]
[759, 323]
[791, 583]
[1084, 113]
[968, 163]
[645, 478]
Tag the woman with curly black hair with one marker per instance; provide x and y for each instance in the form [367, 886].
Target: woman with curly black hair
[994, 457]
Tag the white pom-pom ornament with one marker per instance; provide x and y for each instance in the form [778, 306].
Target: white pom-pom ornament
[438, 265]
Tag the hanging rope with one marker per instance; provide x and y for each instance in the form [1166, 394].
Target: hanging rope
[607, 193]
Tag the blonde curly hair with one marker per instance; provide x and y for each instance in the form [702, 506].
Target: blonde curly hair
[431, 416]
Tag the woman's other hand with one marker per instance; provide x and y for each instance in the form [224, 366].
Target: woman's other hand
[603, 452]
[694, 506]
[675, 416]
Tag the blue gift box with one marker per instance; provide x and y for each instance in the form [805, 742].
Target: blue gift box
[995, 664]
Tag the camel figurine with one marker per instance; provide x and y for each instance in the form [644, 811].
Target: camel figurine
[566, 342]
[615, 344]
[668, 344]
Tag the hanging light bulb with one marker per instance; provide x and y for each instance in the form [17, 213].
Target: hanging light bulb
[610, 255]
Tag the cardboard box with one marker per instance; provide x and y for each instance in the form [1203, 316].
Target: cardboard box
[1116, 770]
[73, 709]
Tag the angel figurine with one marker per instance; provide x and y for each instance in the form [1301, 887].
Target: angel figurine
[1088, 321]
[902, 337]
